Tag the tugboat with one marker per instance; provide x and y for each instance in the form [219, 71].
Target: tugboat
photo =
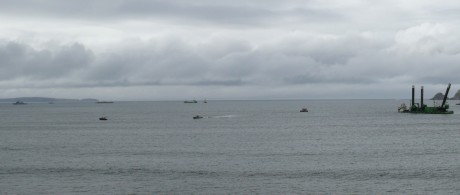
[422, 108]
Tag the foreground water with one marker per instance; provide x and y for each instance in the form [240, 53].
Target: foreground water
[267, 147]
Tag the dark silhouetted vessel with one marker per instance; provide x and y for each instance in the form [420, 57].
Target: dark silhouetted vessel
[19, 103]
[193, 101]
[197, 117]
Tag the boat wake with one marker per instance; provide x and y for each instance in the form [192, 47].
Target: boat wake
[209, 117]
[225, 116]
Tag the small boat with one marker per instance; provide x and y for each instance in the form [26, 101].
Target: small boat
[197, 117]
[304, 110]
[205, 101]
[103, 118]
[402, 108]
[104, 102]
[193, 101]
[19, 103]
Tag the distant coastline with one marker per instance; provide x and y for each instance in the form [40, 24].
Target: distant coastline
[440, 96]
[44, 100]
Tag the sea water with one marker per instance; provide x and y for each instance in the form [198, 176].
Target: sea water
[243, 147]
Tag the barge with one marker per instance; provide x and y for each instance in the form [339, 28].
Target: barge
[421, 108]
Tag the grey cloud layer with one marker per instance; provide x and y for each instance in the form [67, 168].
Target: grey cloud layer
[230, 47]
[291, 60]
[20, 60]
[216, 12]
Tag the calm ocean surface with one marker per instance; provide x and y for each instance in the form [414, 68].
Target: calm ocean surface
[244, 147]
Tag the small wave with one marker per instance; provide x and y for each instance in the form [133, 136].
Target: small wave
[10, 149]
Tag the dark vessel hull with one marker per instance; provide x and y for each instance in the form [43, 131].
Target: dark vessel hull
[192, 102]
[427, 112]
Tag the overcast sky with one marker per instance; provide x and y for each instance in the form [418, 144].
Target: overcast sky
[239, 49]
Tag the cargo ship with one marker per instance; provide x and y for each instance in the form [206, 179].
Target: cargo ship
[421, 108]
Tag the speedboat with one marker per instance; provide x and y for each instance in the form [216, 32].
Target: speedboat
[197, 117]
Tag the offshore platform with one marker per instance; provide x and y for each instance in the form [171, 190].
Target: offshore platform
[422, 108]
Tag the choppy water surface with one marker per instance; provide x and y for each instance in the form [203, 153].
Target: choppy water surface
[340, 146]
